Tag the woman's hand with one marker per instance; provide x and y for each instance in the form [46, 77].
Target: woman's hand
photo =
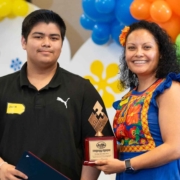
[8, 172]
[110, 166]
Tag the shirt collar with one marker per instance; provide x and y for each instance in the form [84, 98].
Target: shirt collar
[55, 81]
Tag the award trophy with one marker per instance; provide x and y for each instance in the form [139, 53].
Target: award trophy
[99, 147]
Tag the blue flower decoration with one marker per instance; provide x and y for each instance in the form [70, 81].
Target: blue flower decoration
[16, 64]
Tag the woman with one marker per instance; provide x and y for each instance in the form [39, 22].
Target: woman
[147, 119]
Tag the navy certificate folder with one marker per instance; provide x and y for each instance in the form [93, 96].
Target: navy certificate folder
[36, 169]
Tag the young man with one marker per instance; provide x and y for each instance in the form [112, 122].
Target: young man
[44, 108]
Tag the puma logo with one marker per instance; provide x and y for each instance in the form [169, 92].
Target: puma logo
[65, 102]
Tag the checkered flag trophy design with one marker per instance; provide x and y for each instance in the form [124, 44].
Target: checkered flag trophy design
[98, 119]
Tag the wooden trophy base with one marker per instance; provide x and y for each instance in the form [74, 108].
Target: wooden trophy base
[98, 148]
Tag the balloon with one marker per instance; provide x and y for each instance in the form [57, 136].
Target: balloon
[160, 11]
[1, 19]
[154, 0]
[101, 30]
[116, 28]
[91, 12]
[122, 12]
[178, 40]
[86, 22]
[178, 45]
[5, 7]
[149, 19]
[20, 8]
[98, 41]
[101, 33]
[172, 27]
[175, 5]
[140, 9]
[105, 6]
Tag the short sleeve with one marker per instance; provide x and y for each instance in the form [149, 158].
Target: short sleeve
[165, 85]
[115, 104]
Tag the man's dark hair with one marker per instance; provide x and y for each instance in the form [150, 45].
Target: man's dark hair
[42, 15]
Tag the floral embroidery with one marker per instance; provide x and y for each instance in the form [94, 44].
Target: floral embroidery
[130, 123]
[143, 141]
[132, 132]
[130, 128]
[121, 131]
[133, 115]
[115, 124]
[124, 101]
[131, 142]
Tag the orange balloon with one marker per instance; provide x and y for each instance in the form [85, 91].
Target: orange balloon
[175, 5]
[160, 11]
[153, 0]
[140, 9]
[172, 26]
[150, 20]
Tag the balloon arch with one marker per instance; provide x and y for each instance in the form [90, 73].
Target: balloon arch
[106, 18]
[11, 8]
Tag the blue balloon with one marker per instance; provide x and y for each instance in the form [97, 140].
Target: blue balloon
[86, 22]
[105, 6]
[122, 12]
[91, 12]
[106, 18]
[98, 41]
[116, 28]
[101, 31]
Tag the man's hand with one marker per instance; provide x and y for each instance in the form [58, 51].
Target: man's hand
[8, 172]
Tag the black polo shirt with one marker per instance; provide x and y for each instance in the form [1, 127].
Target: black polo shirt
[52, 122]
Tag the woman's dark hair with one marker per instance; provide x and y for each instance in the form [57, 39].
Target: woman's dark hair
[167, 49]
[42, 15]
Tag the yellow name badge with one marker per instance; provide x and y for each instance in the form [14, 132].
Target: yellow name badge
[14, 108]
